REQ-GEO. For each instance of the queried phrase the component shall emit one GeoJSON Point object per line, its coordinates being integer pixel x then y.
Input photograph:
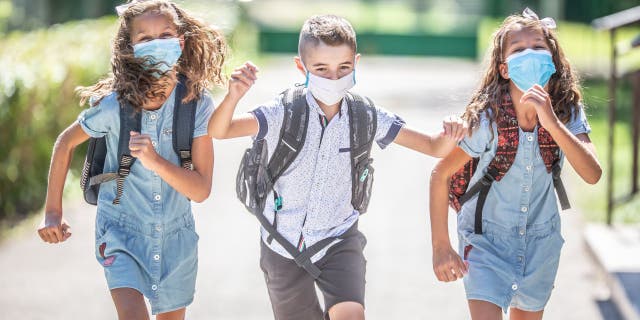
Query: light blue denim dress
{"type": "Point", "coordinates": [515, 261]}
{"type": "Point", "coordinates": [147, 242]}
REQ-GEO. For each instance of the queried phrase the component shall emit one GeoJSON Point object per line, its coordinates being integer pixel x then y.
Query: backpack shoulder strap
{"type": "Point", "coordinates": [184, 118]}
{"type": "Point", "coordinates": [130, 120]}
{"type": "Point", "coordinates": [292, 134]}
{"type": "Point", "coordinates": [550, 152]}
{"type": "Point", "coordinates": [508, 139]}
{"type": "Point", "coordinates": [363, 124]}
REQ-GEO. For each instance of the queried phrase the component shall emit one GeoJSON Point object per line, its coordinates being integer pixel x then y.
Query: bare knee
{"type": "Point", "coordinates": [129, 304]}
{"type": "Point", "coordinates": [172, 315]}
{"type": "Point", "coordinates": [483, 310]}
{"type": "Point", "coordinates": [517, 314]}
{"type": "Point", "coordinates": [347, 311]}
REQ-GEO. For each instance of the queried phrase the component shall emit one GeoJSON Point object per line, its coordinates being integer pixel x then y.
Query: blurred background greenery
{"type": "Point", "coordinates": [48, 47]}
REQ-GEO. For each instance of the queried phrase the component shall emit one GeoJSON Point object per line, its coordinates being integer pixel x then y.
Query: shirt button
{"type": "Point", "coordinates": [158, 228]}
{"type": "Point", "coordinates": [153, 143]}
{"type": "Point", "coordinates": [524, 209]}
{"type": "Point", "coordinates": [522, 232]}
{"type": "Point", "coordinates": [156, 257]}
{"type": "Point", "coordinates": [519, 258]}
{"type": "Point", "coordinates": [157, 197]}
{"type": "Point", "coordinates": [514, 287]}
{"type": "Point", "coordinates": [153, 117]}
{"type": "Point", "coordinates": [526, 189]}
{"type": "Point", "coordinates": [528, 168]}
{"type": "Point", "coordinates": [529, 138]}
{"type": "Point", "coordinates": [154, 287]}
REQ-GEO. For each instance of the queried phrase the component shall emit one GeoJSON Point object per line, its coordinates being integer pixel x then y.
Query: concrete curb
{"type": "Point", "coordinates": [616, 251]}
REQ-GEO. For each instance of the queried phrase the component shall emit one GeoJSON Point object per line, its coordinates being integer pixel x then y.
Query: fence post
{"type": "Point", "coordinates": [612, 121]}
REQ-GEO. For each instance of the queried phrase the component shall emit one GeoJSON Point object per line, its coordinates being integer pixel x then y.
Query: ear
{"type": "Point", "coordinates": [299, 65]}
{"type": "Point", "coordinates": [504, 70]}
{"type": "Point", "coordinates": [357, 59]}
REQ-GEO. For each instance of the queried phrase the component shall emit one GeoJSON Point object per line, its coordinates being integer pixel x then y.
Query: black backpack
{"type": "Point", "coordinates": [93, 170]}
{"type": "Point", "coordinates": [257, 175]}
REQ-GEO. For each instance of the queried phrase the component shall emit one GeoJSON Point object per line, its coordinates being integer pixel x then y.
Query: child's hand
{"type": "Point", "coordinates": [53, 228]}
{"type": "Point", "coordinates": [447, 264]}
{"type": "Point", "coordinates": [538, 98]}
{"type": "Point", "coordinates": [142, 148]}
{"type": "Point", "coordinates": [454, 128]}
{"type": "Point", "coordinates": [242, 79]}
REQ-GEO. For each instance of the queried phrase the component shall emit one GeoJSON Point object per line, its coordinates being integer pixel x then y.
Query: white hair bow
{"type": "Point", "coordinates": [123, 7]}
{"type": "Point", "coordinates": [547, 23]}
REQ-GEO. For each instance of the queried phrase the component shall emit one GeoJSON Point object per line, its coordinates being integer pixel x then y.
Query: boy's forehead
{"type": "Point", "coordinates": [322, 53]}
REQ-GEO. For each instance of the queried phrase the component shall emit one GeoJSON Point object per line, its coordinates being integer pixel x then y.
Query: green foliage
{"type": "Point", "coordinates": [37, 101]}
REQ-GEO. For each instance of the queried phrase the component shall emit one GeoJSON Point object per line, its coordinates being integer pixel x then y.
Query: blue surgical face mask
{"type": "Point", "coordinates": [163, 54]}
{"type": "Point", "coordinates": [530, 67]}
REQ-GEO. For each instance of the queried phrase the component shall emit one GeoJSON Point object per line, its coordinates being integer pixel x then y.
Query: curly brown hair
{"type": "Point", "coordinates": [136, 83]}
{"type": "Point", "coordinates": [564, 85]}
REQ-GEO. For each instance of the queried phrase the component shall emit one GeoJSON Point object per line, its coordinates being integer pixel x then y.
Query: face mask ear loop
{"type": "Point", "coordinates": [306, 82]}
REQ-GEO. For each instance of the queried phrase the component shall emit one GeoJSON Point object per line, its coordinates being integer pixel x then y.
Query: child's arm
{"type": "Point", "coordinates": [447, 264]}
{"type": "Point", "coordinates": [438, 145]}
{"type": "Point", "coordinates": [577, 148]}
{"type": "Point", "coordinates": [53, 228]}
{"type": "Point", "coordinates": [223, 125]}
{"type": "Point", "coordinates": [194, 184]}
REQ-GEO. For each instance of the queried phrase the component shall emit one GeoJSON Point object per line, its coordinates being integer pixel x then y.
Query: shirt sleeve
{"type": "Point", "coordinates": [578, 123]}
{"type": "Point", "coordinates": [204, 111]}
{"type": "Point", "coordinates": [389, 126]}
{"type": "Point", "coordinates": [269, 117]}
{"type": "Point", "coordinates": [479, 141]}
{"type": "Point", "coordinates": [98, 120]}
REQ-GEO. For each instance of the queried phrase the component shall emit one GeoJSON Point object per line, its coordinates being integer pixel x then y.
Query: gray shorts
{"type": "Point", "coordinates": [291, 288]}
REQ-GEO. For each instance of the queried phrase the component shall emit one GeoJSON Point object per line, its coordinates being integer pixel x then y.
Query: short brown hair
{"type": "Point", "coordinates": [328, 29]}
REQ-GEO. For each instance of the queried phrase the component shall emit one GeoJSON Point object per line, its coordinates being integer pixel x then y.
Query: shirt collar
{"type": "Point", "coordinates": [313, 104]}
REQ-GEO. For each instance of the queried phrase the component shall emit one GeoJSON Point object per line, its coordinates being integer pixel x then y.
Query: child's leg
{"type": "Point", "coordinates": [172, 315]}
{"type": "Point", "coordinates": [129, 304]}
{"type": "Point", "coordinates": [347, 311]}
{"type": "Point", "coordinates": [342, 281]}
{"type": "Point", "coordinates": [483, 310]}
{"type": "Point", "coordinates": [291, 289]}
{"type": "Point", "coordinates": [517, 314]}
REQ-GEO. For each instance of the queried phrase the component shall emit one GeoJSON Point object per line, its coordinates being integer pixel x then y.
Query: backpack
{"type": "Point", "coordinates": [257, 175]}
{"type": "Point", "coordinates": [130, 120]}
{"type": "Point", "coordinates": [508, 140]}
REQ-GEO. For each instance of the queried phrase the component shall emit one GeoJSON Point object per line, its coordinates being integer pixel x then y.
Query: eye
{"type": "Point", "coordinates": [144, 39]}
{"type": "Point", "coordinates": [345, 67]}
{"type": "Point", "coordinates": [167, 35]}
{"type": "Point", "coordinates": [321, 69]}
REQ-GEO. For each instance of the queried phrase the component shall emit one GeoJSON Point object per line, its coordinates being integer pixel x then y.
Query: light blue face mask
{"type": "Point", "coordinates": [163, 54]}
{"type": "Point", "coordinates": [530, 67]}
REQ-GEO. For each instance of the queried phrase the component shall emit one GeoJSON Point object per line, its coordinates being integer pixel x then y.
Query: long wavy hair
{"type": "Point", "coordinates": [564, 85]}
{"type": "Point", "coordinates": [136, 82]}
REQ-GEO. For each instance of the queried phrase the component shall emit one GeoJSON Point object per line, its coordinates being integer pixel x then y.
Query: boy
{"type": "Point", "coordinates": [313, 197]}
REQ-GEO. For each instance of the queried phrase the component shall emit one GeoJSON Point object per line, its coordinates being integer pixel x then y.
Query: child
{"type": "Point", "coordinates": [511, 242]}
{"type": "Point", "coordinates": [145, 235]}
{"type": "Point", "coordinates": [312, 207]}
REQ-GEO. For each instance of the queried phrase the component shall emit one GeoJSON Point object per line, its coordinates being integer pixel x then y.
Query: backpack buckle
{"type": "Point", "coordinates": [278, 203]}
{"type": "Point", "coordinates": [185, 155]}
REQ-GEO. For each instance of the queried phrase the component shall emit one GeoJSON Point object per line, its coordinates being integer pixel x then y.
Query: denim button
{"type": "Point", "coordinates": [157, 197]}
{"type": "Point", "coordinates": [514, 287]}
{"type": "Point", "coordinates": [529, 138]}
{"type": "Point", "coordinates": [524, 209]}
{"type": "Point", "coordinates": [153, 117]}
{"type": "Point", "coordinates": [526, 189]}
{"type": "Point", "coordinates": [519, 258]}
{"type": "Point", "coordinates": [156, 257]}
{"type": "Point", "coordinates": [522, 232]}
{"type": "Point", "coordinates": [528, 168]}
{"type": "Point", "coordinates": [153, 143]}
{"type": "Point", "coordinates": [154, 287]}
{"type": "Point", "coordinates": [158, 228]}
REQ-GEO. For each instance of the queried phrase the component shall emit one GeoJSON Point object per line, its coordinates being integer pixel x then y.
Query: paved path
{"type": "Point", "coordinates": [41, 281]}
